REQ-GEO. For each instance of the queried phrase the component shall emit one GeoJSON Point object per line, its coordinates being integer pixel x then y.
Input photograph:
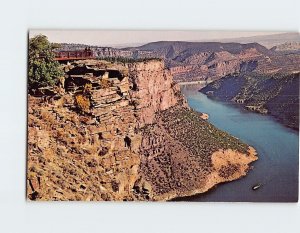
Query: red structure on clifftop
{"type": "Point", "coordinates": [87, 53]}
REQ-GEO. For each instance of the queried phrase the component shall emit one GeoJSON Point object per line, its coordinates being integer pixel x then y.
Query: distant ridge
{"type": "Point", "coordinates": [268, 41]}
{"type": "Point", "coordinates": [196, 47]}
{"type": "Point", "coordinates": [208, 61]}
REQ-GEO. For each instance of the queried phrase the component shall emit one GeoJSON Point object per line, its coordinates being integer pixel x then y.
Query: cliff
{"type": "Point", "coordinates": [115, 131]}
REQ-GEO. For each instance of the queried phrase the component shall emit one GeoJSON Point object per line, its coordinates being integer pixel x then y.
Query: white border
{"type": "Point", "coordinates": [17, 17]}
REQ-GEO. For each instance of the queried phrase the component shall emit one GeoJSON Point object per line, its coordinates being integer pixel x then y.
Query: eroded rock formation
{"type": "Point", "coordinates": [124, 132]}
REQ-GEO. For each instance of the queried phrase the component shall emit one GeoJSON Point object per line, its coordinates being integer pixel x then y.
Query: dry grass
{"type": "Point", "coordinates": [83, 103]}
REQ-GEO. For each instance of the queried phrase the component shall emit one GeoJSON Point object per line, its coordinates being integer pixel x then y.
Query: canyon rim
{"type": "Point", "coordinates": [111, 123]}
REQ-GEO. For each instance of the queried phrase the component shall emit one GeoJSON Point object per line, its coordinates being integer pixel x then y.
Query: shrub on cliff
{"type": "Point", "coordinates": [83, 103]}
{"type": "Point", "coordinates": [43, 70]}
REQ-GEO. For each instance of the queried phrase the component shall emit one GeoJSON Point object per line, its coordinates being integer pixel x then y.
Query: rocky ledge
{"type": "Point", "coordinates": [114, 131]}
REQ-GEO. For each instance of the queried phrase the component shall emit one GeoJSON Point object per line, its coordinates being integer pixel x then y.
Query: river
{"type": "Point", "coordinates": [277, 147]}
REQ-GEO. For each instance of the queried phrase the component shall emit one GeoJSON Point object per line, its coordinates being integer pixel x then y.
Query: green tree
{"type": "Point", "coordinates": [43, 70]}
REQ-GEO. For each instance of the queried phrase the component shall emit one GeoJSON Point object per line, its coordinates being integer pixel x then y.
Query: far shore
{"type": "Point", "coordinates": [192, 83]}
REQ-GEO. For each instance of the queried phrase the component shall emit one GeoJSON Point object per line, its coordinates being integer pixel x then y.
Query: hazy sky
{"type": "Point", "coordinates": [115, 38]}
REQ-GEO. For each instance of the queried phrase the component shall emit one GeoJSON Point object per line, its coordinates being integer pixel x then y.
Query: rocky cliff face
{"type": "Point", "coordinates": [154, 90]}
{"type": "Point", "coordinates": [123, 132]}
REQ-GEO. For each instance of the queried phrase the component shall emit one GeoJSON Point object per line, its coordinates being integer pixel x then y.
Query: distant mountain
{"type": "Point", "coordinates": [268, 41]}
{"type": "Point", "coordinates": [206, 61]}
{"type": "Point", "coordinates": [170, 49]}
{"type": "Point", "coordinates": [195, 61]}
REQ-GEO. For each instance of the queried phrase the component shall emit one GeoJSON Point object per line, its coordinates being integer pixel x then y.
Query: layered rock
{"type": "Point", "coordinates": [117, 131]}
{"type": "Point", "coordinates": [153, 89]}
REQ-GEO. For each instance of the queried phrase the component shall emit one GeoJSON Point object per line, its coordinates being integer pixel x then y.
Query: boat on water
{"type": "Point", "coordinates": [257, 186]}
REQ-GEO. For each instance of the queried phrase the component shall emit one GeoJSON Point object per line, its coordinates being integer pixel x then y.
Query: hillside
{"type": "Point", "coordinates": [123, 131]}
{"type": "Point", "coordinates": [287, 47]}
{"type": "Point", "coordinates": [276, 95]}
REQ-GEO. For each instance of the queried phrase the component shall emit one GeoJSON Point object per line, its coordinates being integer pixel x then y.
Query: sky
{"type": "Point", "coordinates": [131, 38]}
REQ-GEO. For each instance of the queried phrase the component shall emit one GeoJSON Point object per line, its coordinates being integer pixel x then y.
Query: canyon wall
{"type": "Point", "coordinates": [116, 131]}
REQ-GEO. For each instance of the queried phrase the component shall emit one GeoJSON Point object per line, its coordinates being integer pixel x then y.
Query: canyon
{"type": "Point", "coordinates": [209, 61]}
{"type": "Point", "coordinates": [123, 132]}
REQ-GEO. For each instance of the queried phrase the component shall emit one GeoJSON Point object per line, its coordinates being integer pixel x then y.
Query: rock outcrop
{"type": "Point", "coordinates": [115, 131]}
